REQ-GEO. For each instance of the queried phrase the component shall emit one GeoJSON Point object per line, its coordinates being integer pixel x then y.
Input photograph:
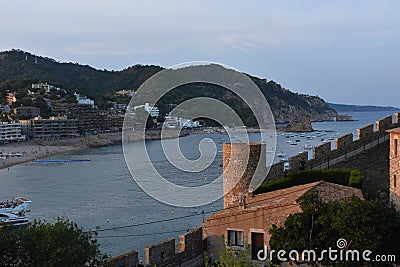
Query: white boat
{"type": "Point", "coordinates": [308, 146]}
{"type": "Point", "coordinates": [15, 205]}
{"type": "Point", "coordinates": [281, 154]}
{"type": "Point", "coordinates": [11, 219]}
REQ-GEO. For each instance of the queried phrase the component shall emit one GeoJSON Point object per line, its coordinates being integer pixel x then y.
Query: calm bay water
{"type": "Point", "coordinates": [102, 192]}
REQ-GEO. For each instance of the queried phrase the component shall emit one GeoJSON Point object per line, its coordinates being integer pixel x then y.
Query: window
{"type": "Point", "coordinates": [395, 147]}
{"type": "Point", "coordinates": [235, 238]}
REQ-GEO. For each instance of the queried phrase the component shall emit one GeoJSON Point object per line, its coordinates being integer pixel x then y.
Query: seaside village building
{"type": "Point", "coordinates": [394, 159]}
{"type": "Point", "coordinates": [246, 218]}
{"type": "Point", "coordinates": [10, 132]}
{"type": "Point", "coordinates": [52, 128]}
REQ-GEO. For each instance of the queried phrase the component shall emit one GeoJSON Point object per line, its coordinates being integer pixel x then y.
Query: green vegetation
{"type": "Point", "coordinates": [231, 258]}
{"type": "Point", "coordinates": [365, 225]}
{"type": "Point", "coordinates": [43, 244]}
{"type": "Point", "coordinates": [351, 178]}
{"type": "Point", "coordinates": [19, 69]}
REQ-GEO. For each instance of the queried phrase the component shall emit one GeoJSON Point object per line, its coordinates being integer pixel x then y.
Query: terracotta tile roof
{"type": "Point", "coordinates": [290, 196]}
{"type": "Point", "coordinates": [395, 130]}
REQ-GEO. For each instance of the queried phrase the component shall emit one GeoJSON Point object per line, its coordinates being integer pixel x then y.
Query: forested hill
{"type": "Point", "coordinates": [360, 108]}
{"type": "Point", "coordinates": [19, 69]}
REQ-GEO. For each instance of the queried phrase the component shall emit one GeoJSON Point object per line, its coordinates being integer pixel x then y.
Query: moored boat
{"type": "Point", "coordinates": [11, 219]}
{"type": "Point", "coordinates": [308, 146]}
{"type": "Point", "coordinates": [15, 205]}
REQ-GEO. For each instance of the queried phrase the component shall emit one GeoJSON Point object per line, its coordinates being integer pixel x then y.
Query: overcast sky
{"type": "Point", "coordinates": [343, 51]}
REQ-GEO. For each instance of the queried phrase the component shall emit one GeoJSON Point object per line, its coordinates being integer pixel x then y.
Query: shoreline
{"type": "Point", "coordinates": [40, 149]}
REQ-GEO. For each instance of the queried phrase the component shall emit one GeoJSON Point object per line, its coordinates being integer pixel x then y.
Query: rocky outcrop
{"type": "Point", "coordinates": [303, 125]}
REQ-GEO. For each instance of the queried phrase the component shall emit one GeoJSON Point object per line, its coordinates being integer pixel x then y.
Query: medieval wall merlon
{"type": "Point", "coordinates": [188, 252]}
{"type": "Point", "coordinates": [344, 141]}
{"type": "Point", "coordinates": [384, 124]}
{"type": "Point", "coordinates": [276, 171]}
{"type": "Point", "coordinates": [294, 162]}
{"type": "Point", "coordinates": [130, 259]}
{"type": "Point", "coordinates": [190, 241]}
{"type": "Point", "coordinates": [322, 151]}
{"type": "Point", "coordinates": [365, 132]}
{"type": "Point", "coordinates": [160, 252]}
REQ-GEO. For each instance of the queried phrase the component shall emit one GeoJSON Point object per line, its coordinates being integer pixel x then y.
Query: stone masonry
{"type": "Point", "coordinates": [240, 161]}
{"type": "Point", "coordinates": [394, 159]}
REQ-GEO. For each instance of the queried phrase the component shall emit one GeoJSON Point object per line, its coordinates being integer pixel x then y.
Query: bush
{"type": "Point", "coordinates": [351, 178]}
{"type": "Point", "coordinates": [61, 243]}
{"type": "Point", "coordinates": [355, 179]}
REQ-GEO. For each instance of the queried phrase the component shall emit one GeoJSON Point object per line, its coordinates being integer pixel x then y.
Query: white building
{"type": "Point", "coordinates": [84, 100]}
{"type": "Point", "coordinates": [173, 122]}
{"type": "Point", "coordinates": [152, 110]}
{"type": "Point", "coordinates": [10, 131]}
{"type": "Point", "coordinates": [47, 87]}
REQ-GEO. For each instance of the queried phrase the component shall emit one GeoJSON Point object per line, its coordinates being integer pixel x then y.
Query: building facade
{"type": "Point", "coordinates": [247, 218]}
{"type": "Point", "coordinates": [25, 112]}
{"type": "Point", "coordinates": [10, 132]}
{"type": "Point", "coordinates": [53, 128]}
{"type": "Point", "coordinates": [394, 159]}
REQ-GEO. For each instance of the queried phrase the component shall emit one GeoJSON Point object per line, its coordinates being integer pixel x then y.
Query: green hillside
{"type": "Point", "coordinates": [19, 69]}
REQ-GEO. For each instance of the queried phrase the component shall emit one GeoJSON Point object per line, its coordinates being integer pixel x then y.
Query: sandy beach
{"type": "Point", "coordinates": [38, 149]}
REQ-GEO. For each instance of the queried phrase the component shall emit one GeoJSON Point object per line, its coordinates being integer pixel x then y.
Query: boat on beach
{"type": "Point", "coordinates": [15, 205]}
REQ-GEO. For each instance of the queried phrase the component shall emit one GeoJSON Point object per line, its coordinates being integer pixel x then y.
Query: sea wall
{"type": "Point", "coordinates": [324, 156]}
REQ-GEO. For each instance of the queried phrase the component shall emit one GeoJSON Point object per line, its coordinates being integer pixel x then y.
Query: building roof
{"type": "Point", "coordinates": [395, 130]}
{"type": "Point", "coordinates": [290, 196]}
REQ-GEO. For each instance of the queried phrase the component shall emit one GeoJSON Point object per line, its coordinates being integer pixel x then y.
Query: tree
{"type": "Point", "coordinates": [365, 225]}
{"type": "Point", "coordinates": [231, 258]}
{"type": "Point", "coordinates": [62, 243]}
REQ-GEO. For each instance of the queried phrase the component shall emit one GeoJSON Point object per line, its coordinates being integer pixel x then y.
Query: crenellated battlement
{"type": "Point", "coordinates": [345, 146]}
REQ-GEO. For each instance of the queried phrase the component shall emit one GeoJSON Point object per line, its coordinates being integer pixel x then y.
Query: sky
{"type": "Point", "coordinates": [343, 51]}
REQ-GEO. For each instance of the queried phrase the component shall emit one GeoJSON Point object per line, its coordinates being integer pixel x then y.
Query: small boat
{"type": "Point", "coordinates": [15, 205]}
{"type": "Point", "coordinates": [281, 154]}
{"type": "Point", "coordinates": [221, 141]}
{"type": "Point", "coordinates": [286, 165]}
{"type": "Point", "coordinates": [293, 144]}
{"type": "Point", "coordinates": [308, 146]}
{"type": "Point", "coordinates": [11, 219]}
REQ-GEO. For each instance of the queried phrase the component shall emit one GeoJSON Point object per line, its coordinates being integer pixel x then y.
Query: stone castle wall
{"type": "Point", "coordinates": [188, 252]}
{"type": "Point", "coordinates": [394, 160]}
{"type": "Point", "coordinates": [238, 172]}
{"type": "Point", "coordinates": [344, 147]}
{"type": "Point", "coordinates": [130, 259]}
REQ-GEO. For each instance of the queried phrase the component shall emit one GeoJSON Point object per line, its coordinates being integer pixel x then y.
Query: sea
{"type": "Point", "coordinates": [102, 195]}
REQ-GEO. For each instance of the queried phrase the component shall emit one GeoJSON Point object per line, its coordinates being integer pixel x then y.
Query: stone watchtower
{"type": "Point", "coordinates": [395, 166]}
{"type": "Point", "coordinates": [240, 161]}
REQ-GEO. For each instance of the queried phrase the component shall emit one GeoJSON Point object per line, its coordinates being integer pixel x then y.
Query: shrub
{"type": "Point", "coordinates": [351, 178]}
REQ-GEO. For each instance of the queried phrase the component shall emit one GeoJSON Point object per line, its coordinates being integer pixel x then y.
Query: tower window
{"type": "Point", "coordinates": [394, 180]}
{"type": "Point", "coordinates": [395, 147]}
